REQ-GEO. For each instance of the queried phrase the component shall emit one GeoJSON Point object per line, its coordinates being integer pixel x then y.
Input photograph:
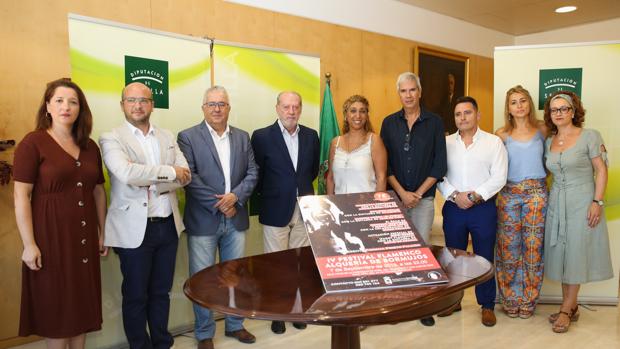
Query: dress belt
{"type": "Point", "coordinates": [560, 218]}
{"type": "Point", "coordinates": [158, 219]}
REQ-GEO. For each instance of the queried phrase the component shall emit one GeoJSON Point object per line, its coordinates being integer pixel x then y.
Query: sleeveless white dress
{"type": "Point", "coordinates": [354, 171]}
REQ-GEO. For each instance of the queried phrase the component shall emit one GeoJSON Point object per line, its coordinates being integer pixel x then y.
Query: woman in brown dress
{"type": "Point", "coordinates": [60, 207]}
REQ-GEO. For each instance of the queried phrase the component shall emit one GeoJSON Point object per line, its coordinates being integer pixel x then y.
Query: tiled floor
{"type": "Point", "coordinates": [598, 327]}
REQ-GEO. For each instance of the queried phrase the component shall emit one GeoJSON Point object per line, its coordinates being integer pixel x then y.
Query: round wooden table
{"type": "Point", "coordinates": [286, 286]}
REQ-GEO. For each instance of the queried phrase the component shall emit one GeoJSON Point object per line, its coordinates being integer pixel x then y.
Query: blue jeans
{"type": "Point", "coordinates": [202, 249]}
{"type": "Point", "coordinates": [148, 272]}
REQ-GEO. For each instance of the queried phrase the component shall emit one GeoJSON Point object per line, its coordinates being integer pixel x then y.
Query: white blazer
{"type": "Point", "coordinates": [130, 178]}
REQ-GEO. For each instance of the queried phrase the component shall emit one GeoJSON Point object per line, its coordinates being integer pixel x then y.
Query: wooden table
{"type": "Point", "coordinates": [286, 286]}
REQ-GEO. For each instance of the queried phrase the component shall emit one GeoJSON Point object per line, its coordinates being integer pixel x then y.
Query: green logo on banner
{"type": "Point", "coordinates": [551, 80]}
{"type": "Point", "coordinates": [151, 72]}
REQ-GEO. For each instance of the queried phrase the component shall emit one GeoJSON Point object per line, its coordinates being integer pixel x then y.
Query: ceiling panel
{"type": "Point", "coordinates": [519, 17]}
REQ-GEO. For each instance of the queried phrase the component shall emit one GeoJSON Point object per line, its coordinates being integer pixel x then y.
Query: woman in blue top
{"type": "Point", "coordinates": [521, 206]}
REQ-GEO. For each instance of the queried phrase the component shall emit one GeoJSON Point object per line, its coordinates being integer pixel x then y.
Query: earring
{"type": "Point", "coordinates": [48, 115]}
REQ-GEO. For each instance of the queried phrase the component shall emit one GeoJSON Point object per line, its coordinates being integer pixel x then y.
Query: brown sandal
{"type": "Point", "coordinates": [512, 312]}
{"type": "Point", "coordinates": [574, 315]}
{"type": "Point", "coordinates": [558, 328]}
{"type": "Point", "coordinates": [526, 313]}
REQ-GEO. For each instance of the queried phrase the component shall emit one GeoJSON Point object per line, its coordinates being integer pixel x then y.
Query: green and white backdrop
{"type": "Point", "coordinates": [105, 56]}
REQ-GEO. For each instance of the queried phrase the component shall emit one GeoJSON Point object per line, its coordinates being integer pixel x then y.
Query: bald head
{"type": "Point", "coordinates": [137, 86]}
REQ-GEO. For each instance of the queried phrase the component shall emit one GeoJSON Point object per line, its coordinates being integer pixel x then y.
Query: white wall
{"type": "Point", "coordinates": [393, 18]}
{"type": "Point", "coordinates": [608, 30]}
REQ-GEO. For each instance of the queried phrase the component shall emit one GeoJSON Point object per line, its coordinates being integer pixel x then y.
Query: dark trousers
{"type": "Point", "coordinates": [481, 222]}
{"type": "Point", "coordinates": [148, 273]}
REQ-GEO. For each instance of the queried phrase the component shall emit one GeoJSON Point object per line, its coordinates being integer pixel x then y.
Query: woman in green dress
{"type": "Point", "coordinates": [576, 238]}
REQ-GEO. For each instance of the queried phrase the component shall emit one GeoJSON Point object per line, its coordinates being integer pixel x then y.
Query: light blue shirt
{"type": "Point", "coordinates": [525, 159]}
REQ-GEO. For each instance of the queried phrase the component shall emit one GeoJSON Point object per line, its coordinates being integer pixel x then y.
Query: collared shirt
{"type": "Point", "coordinates": [425, 154]}
{"type": "Point", "coordinates": [292, 142]}
{"type": "Point", "coordinates": [222, 145]}
{"type": "Point", "coordinates": [481, 167]}
{"type": "Point", "coordinates": [158, 205]}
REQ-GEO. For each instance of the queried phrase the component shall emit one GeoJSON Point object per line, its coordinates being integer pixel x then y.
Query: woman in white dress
{"type": "Point", "coordinates": [357, 159]}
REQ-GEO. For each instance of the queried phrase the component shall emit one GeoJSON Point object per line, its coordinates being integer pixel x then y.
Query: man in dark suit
{"type": "Point", "coordinates": [287, 155]}
{"type": "Point", "coordinates": [447, 106]}
{"type": "Point", "coordinates": [224, 175]}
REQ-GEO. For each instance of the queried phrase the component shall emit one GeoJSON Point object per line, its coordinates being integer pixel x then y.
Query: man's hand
{"type": "Point", "coordinates": [183, 174]}
{"type": "Point", "coordinates": [230, 212]}
{"type": "Point", "coordinates": [226, 204]}
{"type": "Point", "coordinates": [410, 199]}
{"type": "Point", "coordinates": [462, 201]}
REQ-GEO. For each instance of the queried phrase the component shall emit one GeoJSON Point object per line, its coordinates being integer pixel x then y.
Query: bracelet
{"type": "Point", "coordinates": [452, 196]}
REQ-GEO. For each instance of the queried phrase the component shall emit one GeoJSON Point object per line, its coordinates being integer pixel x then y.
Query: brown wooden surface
{"type": "Point", "coordinates": [267, 287]}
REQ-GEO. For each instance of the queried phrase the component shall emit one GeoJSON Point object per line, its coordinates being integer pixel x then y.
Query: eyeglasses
{"type": "Point", "coordinates": [407, 146]}
{"type": "Point", "coordinates": [563, 110]}
{"type": "Point", "coordinates": [141, 100]}
{"type": "Point", "coordinates": [216, 104]}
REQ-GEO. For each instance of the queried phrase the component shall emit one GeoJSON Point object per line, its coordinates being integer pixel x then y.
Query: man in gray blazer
{"type": "Point", "coordinates": [143, 222]}
{"type": "Point", "coordinates": [224, 174]}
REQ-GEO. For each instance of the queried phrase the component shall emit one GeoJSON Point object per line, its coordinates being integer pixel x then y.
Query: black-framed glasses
{"type": "Point", "coordinates": [563, 110]}
{"type": "Point", "coordinates": [406, 147]}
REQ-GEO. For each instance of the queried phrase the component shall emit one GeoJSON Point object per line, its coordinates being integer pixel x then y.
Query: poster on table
{"type": "Point", "coordinates": [365, 241]}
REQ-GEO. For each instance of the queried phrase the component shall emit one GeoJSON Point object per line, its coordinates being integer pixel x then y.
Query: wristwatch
{"type": "Point", "coordinates": [599, 202]}
{"type": "Point", "coordinates": [472, 197]}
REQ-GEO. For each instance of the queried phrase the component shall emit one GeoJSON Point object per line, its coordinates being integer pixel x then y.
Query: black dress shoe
{"type": "Point", "coordinates": [278, 327]}
{"type": "Point", "coordinates": [299, 325]}
{"type": "Point", "coordinates": [428, 321]}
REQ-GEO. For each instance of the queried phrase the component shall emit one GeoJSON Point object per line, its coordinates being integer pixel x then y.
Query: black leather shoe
{"type": "Point", "coordinates": [299, 325]}
{"type": "Point", "coordinates": [428, 321]}
{"type": "Point", "coordinates": [278, 327]}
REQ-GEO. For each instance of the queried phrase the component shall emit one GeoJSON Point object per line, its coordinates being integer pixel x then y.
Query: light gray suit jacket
{"type": "Point", "coordinates": [200, 216]}
{"type": "Point", "coordinates": [130, 178]}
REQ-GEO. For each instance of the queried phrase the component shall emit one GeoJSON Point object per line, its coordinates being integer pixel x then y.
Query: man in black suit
{"type": "Point", "coordinates": [447, 106]}
{"type": "Point", "coordinates": [287, 155]}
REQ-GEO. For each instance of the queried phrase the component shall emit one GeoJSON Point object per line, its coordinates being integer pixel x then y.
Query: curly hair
{"type": "Point", "coordinates": [345, 108]}
{"type": "Point", "coordinates": [509, 122]}
{"type": "Point", "coordinates": [579, 115]}
{"type": "Point", "coordinates": [82, 126]}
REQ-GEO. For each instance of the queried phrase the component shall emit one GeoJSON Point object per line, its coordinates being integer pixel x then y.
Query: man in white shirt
{"type": "Point", "coordinates": [477, 170]}
{"type": "Point", "coordinates": [143, 222]}
{"type": "Point", "coordinates": [224, 175]}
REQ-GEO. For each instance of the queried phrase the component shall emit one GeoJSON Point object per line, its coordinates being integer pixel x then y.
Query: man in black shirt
{"type": "Point", "coordinates": [416, 147]}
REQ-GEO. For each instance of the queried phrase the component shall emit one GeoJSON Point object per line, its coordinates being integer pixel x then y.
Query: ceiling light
{"type": "Point", "coordinates": [565, 9]}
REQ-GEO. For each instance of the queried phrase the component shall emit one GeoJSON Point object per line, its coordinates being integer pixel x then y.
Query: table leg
{"type": "Point", "coordinates": [345, 337]}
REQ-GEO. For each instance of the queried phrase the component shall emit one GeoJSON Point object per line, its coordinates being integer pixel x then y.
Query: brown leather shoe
{"type": "Point", "coordinates": [488, 317]}
{"type": "Point", "coordinates": [450, 311]}
{"type": "Point", "coordinates": [205, 344]}
{"type": "Point", "coordinates": [242, 335]}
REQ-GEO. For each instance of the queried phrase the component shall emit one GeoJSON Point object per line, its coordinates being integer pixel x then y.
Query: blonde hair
{"type": "Point", "coordinates": [509, 122]}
